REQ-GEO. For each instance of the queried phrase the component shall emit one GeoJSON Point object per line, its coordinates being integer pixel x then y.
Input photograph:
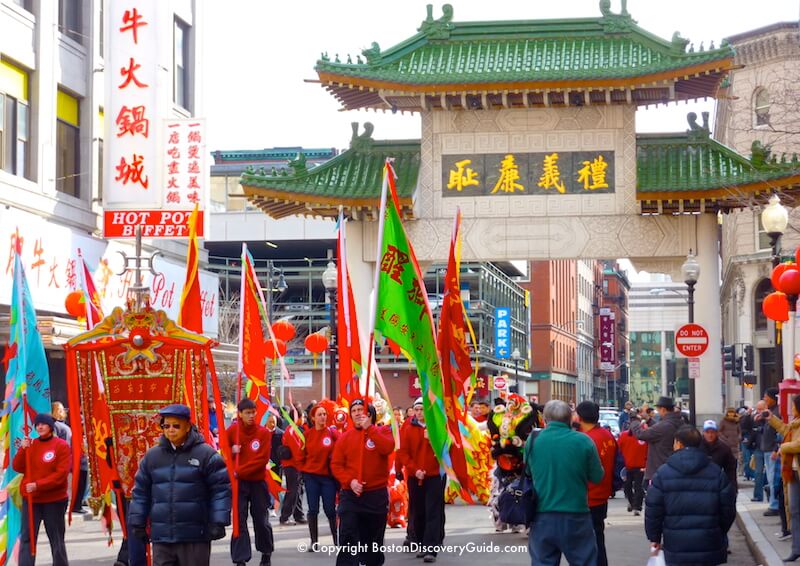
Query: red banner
{"type": "Point", "coordinates": [154, 223]}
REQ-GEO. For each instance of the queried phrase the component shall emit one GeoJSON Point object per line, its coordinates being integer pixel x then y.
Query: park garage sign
{"type": "Point", "coordinates": [556, 172]}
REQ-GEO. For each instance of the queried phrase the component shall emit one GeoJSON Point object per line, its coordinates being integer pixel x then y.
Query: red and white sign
{"type": "Point", "coordinates": [608, 336]}
{"type": "Point", "coordinates": [691, 340]}
{"type": "Point", "coordinates": [501, 383]}
{"type": "Point", "coordinates": [154, 223]}
{"type": "Point", "coordinates": [184, 170]}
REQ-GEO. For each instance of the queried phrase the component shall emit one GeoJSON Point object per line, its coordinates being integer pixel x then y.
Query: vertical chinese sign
{"type": "Point", "coordinates": [138, 130]}
{"type": "Point", "coordinates": [607, 339]}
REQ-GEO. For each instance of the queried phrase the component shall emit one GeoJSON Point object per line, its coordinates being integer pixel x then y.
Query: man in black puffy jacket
{"type": "Point", "coordinates": [182, 488]}
{"type": "Point", "coordinates": [690, 505]}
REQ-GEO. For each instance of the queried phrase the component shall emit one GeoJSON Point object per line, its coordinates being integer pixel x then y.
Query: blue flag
{"type": "Point", "coordinates": [27, 373]}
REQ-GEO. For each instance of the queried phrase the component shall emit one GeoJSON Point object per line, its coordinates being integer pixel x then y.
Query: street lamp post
{"type": "Point", "coordinates": [329, 281]}
{"type": "Point", "coordinates": [774, 219]}
{"type": "Point", "coordinates": [691, 272]}
{"type": "Point", "coordinates": [669, 370]}
{"type": "Point", "coordinates": [515, 355]}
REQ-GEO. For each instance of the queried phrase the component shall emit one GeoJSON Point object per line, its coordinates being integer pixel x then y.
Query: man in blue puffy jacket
{"type": "Point", "coordinates": [182, 488]}
{"type": "Point", "coordinates": [690, 505]}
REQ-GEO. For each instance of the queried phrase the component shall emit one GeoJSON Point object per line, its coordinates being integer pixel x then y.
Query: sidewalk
{"type": "Point", "coordinates": [759, 530]}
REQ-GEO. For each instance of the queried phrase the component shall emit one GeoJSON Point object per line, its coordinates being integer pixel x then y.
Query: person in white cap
{"type": "Point", "coordinates": [719, 452]}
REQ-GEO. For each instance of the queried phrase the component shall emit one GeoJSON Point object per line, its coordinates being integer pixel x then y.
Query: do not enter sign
{"type": "Point", "coordinates": [500, 383]}
{"type": "Point", "coordinates": [691, 340]}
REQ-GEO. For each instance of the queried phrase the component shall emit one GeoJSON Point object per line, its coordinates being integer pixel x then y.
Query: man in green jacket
{"type": "Point", "coordinates": [562, 462]}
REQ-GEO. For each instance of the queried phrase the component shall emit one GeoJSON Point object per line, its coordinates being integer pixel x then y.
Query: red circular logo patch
{"type": "Point", "coordinates": [255, 445]}
{"type": "Point", "coordinates": [370, 445]}
{"type": "Point", "coordinates": [326, 441]}
{"type": "Point", "coordinates": [48, 456]}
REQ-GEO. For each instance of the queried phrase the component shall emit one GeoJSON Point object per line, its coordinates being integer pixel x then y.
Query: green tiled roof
{"type": "Point", "coordinates": [693, 161]}
{"type": "Point", "coordinates": [353, 178]}
{"type": "Point", "coordinates": [586, 49]}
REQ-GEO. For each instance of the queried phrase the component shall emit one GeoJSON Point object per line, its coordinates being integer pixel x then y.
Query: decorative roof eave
{"type": "Point", "coordinates": [282, 203]}
{"type": "Point", "coordinates": [790, 183]}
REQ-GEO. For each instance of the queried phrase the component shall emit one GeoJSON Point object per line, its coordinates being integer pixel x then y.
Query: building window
{"type": "Point", "coordinates": [763, 289]}
{"type": "Point", "coordinates": [14, 120]}
{"type": "Point", "coordinates": [68, 135]}
{"type": "Point", "coordinates": [70, 19]}
{"type": "Point", "coordinates": [25, 4]}
{"type": "Point", "coordinates": [761, 107]}
{"type": "Point", "coordinates": [180, 68]}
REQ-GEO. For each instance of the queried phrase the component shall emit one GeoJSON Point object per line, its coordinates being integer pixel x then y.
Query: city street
{"type": "Point", "coordinates": [467, 526]}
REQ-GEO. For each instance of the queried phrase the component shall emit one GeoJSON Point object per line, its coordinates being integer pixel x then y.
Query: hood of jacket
{"type": "Point", "coordinates": [193, 438]}
{"type": "Point", "coordinates": [688, 461]}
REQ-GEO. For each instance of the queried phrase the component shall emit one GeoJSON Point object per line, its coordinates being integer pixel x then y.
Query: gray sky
{"type": "Point", "coordinates": [258, 53]}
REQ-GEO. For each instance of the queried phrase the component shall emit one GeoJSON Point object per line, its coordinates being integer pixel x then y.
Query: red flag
{"type": "Point", "coordinates": [349, 349]}
{"type": "Point", "coordinates": [190, 315]}
{"type": "Point", "coordinates": [251, 339]}
{"type": "Point", "coordinates": [456, 362]}
{"type": "Point", "coordinates": [94, 311]}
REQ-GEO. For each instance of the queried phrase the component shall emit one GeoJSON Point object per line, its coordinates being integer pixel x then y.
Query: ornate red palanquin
{"type": "Point", "coordinates": [120, 374]}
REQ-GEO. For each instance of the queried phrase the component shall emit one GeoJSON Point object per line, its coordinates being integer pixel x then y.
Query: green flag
{"type": "Point", "coordinates": [402, 314]}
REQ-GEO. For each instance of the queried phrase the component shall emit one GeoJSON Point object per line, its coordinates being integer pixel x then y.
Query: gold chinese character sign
{"type": "Point", "coordinates": [541, 173]}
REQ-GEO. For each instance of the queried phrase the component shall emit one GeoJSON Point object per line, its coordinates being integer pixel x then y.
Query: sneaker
{"type": "Point", "coordinates": [300, 520]}
{"type": "Point", "coordinates": [288, 522]}
{"type": "Point", "coordinates": [517, 528]}
{"type": "Point", "coordinates": [783, 536]}
{"type": "Point", "coordinates": [771, 513]}
{"type": "Point", "coordinates": [272, 513]}
{"type": "Point", "coordinates": [630, 508]}
{"type": "Point", "coordinates": [636, 513]}
{"type": "Point", "coordinates": [429, 558]}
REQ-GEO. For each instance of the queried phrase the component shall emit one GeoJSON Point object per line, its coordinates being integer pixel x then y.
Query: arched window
{"type": "Point", "coordinates": [761, 107]}
{"type": "Point", "coordinates": [763, 289]}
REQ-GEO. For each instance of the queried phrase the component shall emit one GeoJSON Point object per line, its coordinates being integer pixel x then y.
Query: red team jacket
{"type": "Point", "coordinates": [50, 466]}
{"type": "Point", "coordinates": [256, 443]}
{"type": "Point", "coordinates": [634, 451]}
{"type": "Point", "coordinates": [316, 457]}
{"type": "Point", "coordinates": [370, 449]}
{"type": "Point", "coordinates": [415, 451]}
{"type": "Point", "coordinates": [599, 493]}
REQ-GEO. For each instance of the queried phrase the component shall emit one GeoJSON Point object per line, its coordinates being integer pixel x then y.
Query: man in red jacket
{"type": "Point", "coordinates": [425, 485]}
{"type": "Point", "coordinates": [360, 464]}
{"type": "Point", "coordinates": [634, 452]}
{"type": "Point", "coordinates": [46, 482]}
{"type": "Point", "coordinates": [251, 445]}
{"type": "Point", "coordinates": [599, 493]}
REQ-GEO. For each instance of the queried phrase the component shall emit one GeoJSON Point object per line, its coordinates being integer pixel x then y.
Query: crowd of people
{"type": "Point", "coordinates": [347, 464]}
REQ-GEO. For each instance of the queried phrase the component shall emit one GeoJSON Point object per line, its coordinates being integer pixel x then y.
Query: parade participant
{"type": "Point", "coordinates": [659, 436]}
{"type": "Point", "coordinates": [317, 476]}
{"type": "Point", "coordinates": [63, 431]}
{"type": "Point", "coordinates": [426, 484]}
{"type": "Point", "coordinates": [251, 445]}
{"type": "Point", "coordinates": [398, 415]}
{"type": "Point", "coordinates": [690, 505]}
{"type": "Point", "coordinates": [45, 481]}
{"type": "Point", "coordinates": [562, 463]}
{"type": "Point", "coordinates": [634, 452]}
{"type": "Point", "coordinates": [360, 464]}
{"type": "Point", "coordinates": [290, 455]}
{"type": "Point", "coordinates": [599, 492]}
{"type": "Point", "coordinates": [182, 490]}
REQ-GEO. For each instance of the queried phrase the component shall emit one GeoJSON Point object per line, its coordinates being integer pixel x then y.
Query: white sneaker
{"type": "Point", "coordinates": [517, 529]}
{"type": "Point", "coordinates": [783, 536]}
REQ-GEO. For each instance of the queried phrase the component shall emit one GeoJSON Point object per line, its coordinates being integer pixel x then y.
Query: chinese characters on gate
{"type": "Point", "coordinates": [555, 172]}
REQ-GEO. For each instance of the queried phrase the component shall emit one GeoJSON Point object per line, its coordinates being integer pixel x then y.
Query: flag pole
{"type": "Point", "coordinates": [387, 170]}
{"type": "Point", "coordinates": [235, 478]}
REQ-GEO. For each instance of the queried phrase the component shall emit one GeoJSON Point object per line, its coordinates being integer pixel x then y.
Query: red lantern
{"type": "Point", "coordinates": [272, 353]}
{"type": "Point", "coordinates": [779, 270]}
{"type": "Point", "coordinates": [316, 343]}
{"type": "Point", "coordinates": [790, 282]}
{"type": "Point", "coordinates": [75, 304]}
{"type": "Point", "coordinates": [776, 307]}
{"type": "Point", "coordinates": [283, 330]}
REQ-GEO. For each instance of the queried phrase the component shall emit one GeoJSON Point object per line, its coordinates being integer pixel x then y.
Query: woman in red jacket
{"type": "Point", "coordinates": [317, 476]}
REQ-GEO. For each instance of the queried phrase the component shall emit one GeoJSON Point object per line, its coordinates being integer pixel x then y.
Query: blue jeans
{"type": "Point", "coordinates": [769, 464]}
{"type": "Point", "coordinates": [321, 486]}
{"type": "Point", "coordinates": [569, 533]}
{"type": "Point", "coordinates": [747, 453]}
{"type": "Point", "coordinates": [758, 488]}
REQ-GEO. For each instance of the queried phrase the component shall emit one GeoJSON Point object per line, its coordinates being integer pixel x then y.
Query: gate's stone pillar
{"type": "Point", "coordinates": [707, 313]}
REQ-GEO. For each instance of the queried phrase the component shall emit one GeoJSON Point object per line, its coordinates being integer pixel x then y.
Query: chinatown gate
{"type": "Point", "coordinates": [529, 128]}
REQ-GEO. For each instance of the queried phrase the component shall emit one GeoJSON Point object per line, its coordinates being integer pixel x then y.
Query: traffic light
{"type": "Point", "coordinates": [738, 367]}
{"type": "Point", "coordinates": [749, 361]}
{"type": "Point", "coordinates": [727, 357]}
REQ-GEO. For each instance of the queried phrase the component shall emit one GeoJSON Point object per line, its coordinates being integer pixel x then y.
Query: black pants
{"type": "Point", "coordinates": [132, 551]}
{"type": "Point", "coordinates": [599, 513]}
{"type": "Point", "coordinates": [254, 494]}
{"type": "Point", "coordinates": [53, 516]}
{"type": "Point", "coordinates": [181, 553]}
{"type": "Point", "coordinates": [634, 492]}
{"type": "Point", "coordinates": [293, 498]}
{"type": "Point", "coordinates": [78, 495]}
{"type": "Point", "coordinates": [428, 509]}
{"type": "Point", "coordinates": [362, 526]}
